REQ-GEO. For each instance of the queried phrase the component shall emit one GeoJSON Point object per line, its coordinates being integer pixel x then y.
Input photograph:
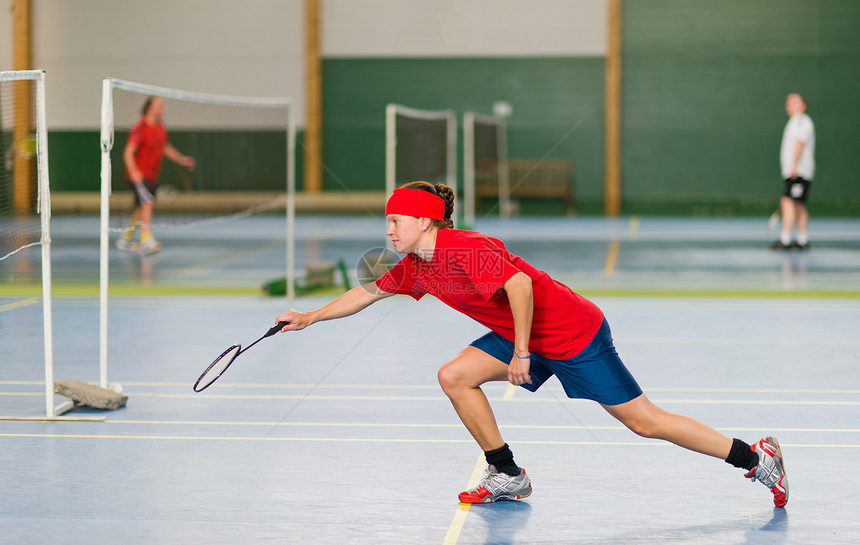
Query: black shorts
{"type": "Point", "coordinates": [150, 186]}
{"type": "Point", "coordinates": [797, 189]}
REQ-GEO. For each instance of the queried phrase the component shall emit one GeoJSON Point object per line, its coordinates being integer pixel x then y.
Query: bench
{"type": "Point", "coordinates": [527, 178]}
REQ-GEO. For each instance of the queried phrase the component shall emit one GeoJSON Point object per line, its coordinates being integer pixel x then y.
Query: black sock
{"type": "Point", "coordinates": [503, 460]}
{"type": "Point", "coordinates": [742, 455]}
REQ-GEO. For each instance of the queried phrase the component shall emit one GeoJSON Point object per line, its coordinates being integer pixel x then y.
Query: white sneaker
{"type": "Point", "coordinates": [126, 245]}
{"type": "Point", "coordinates": [496, 486]}
{"type": "Point", "coordinates": [150, 246]}
{"type": "Point", "coordinates": [770, 470]}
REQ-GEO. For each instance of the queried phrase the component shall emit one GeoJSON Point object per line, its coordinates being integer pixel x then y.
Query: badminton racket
{"type": "Point", "coordinates": [227, 357]}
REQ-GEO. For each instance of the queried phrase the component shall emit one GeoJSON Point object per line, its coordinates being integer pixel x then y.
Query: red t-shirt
{"type": "Point", "coordinates": [150, 141]}
{"type": "Point", "coordinates": [467, 273]}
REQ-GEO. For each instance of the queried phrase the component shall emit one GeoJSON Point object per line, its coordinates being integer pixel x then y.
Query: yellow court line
{"type": "Point", "coordinates": [615, 247]}
{"type": "Point", "coordinates": [19, 304]}
{"type": "Point", "coordinates": [612, 258]}
{"type": "Point", "coordinates": [414, 425]}
{"type": "Point", "coordinates": [453, 534]}
{"type": "Point", "coordinates": [634, 227]}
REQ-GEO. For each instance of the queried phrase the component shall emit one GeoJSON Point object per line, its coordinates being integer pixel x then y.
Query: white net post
{"type": "Point", "coordinates": [210, 114]}
{"type": "Point", "coordinates": [30, 141]}
{"type": "Point", "coordinates": [451, 133]}
{"type": "Point", "coordinates": [504, 183]}
{"type": "Point", "coordinates": [106, 132]}
{"type": "Point", "coordinates": [496, 150]}
{"type": "Point", "coordinates": [469, 169]}
{"type": "Point", "coordinates": [444, 169]}
{"type": "Point", "coordinates": [390, 157]}
{"type": "Point", "coordinates": [390, 149]}
{"type": "Point", "coordinates": [45, 214]}
{"type": "Point", "coordinates": [291, 205]}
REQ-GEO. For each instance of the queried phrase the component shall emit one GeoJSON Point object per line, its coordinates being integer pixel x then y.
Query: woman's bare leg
{"type": "Point", "coordinates": [648, 420]}
{"type": "Point", "coordinates": [461, 380]}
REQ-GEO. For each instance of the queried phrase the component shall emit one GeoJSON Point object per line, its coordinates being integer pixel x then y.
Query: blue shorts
{"type": "Point", "coordinates": [596, 373]}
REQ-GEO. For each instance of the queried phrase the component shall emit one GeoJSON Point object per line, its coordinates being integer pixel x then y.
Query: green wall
{"type": "Point", "coordinates": [74, 159]}
{"type": "Point", "coordinates": [703, 102]}
{"type": "Point", "coordinates": [704, 83]}
{"type": "Point", "coordinates": [557, 110]}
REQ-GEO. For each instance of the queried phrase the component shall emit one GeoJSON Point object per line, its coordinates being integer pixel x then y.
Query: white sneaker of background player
{"type": "Point", "coordinates": [128, 245]}
{"type": "Point", "coordinates": [150, 246]}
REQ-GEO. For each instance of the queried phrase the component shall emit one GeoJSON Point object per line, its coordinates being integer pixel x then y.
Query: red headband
{"type": "Point", "coordinates": [416, 202]}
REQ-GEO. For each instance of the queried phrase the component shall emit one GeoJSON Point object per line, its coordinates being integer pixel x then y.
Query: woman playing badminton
{"type": "Point", "coordinates": [538, 328]}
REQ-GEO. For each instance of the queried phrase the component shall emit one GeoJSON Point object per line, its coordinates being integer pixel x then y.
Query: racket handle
{"type": "Point", "coordinates": [277, 327]}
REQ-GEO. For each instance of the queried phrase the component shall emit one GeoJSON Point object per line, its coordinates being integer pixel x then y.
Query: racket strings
{"type": "Point", "coordinates": [217, 367]}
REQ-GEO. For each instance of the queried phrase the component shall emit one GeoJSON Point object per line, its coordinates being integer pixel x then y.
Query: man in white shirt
{"type": "Point", "coordinates": [797, 160]}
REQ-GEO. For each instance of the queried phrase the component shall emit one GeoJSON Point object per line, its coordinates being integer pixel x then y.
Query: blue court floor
{"type": "Point", "coordinates": [340, 434]}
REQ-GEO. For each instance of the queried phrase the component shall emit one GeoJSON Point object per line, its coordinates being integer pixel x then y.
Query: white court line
{"type": "Point", "coordinates": [737, 341]}
{"type": "Point", "coordinates": [435, 387]}
{"type": "Point", "coordinates": [503, 398]}
{"type": "Point", "coordinates": [756, 390]}
{"type": "Point", "coordinates": [643, 443]}
{"type": "Point", "coordinates": [445, 399]}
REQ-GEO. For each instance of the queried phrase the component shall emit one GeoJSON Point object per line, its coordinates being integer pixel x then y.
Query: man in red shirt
{"type": "Point", "coordinates": [538, 328]}
{"type": "Point", "coordinates": [147, 145]}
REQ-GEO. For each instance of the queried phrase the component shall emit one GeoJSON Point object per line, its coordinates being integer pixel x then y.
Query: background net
{"type": "Point", "coordinates": [422, 149]}
{"type": "Point", "coordinates": [240, 147]}
{"type": "Point", "coordinates": [206, 217]}
{"type": "Point", "coordinates": [487, 157]}
{"type": "Point", "coordinates": [420, 145]}
{"type": "Point", "coordinates": [19, 188]}
{"type": "Point", "coordinates": [485, 166]}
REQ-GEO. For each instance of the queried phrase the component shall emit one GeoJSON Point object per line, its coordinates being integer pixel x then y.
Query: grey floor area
{"type": "Point", "coordinates": [340, 434]}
